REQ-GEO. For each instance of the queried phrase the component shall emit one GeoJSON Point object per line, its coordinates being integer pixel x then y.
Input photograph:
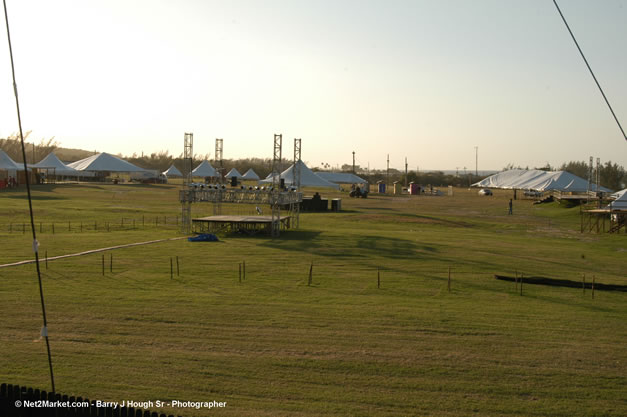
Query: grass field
{"type": "Point", "coordinates": [274, 346]}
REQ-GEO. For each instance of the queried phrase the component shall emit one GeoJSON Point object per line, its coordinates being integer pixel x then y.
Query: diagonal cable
{"type": "Point", "coordinates": [590, 69]}
{"type": "Point", "coordinates": [44, 330]}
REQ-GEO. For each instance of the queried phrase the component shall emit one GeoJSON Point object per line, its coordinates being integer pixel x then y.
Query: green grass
{"type": "Point", "coordinates": [273, 345]}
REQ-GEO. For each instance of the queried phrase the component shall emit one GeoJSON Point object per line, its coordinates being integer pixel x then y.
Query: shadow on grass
{"type": "Point", "coordinates": [565, 283]}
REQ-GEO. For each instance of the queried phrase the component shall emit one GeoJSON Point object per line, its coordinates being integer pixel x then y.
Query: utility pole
{"type": "Point", "coordinates": [353, 162]}
{"type": "Point", "coordinates": [387, 179]}
{"type": "Point", "coordinates": [405, 171]}
{"type": "Point", "coordinates": [476, 161]}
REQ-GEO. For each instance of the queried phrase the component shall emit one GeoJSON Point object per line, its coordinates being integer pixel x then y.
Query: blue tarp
{"type": "Point", "coordinates": [204, 237]}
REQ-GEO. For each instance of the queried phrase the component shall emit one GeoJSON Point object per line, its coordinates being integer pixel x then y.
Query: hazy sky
{"type": "Point", "coordinates": [424, 79]}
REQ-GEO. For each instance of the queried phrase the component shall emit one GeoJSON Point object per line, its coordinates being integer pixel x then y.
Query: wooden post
{"type": "Point", "coordinates": [111, 263]}
{"type": "Point", "coordinates": [583, 283]}
{"type": "Point", "coordinates": [310, 274]}
{"type": "Point", "coordinates": [177, 266]}
{"type": "Point", "coordinates": [103, 265]}
{"type": "Point", "coordinates": [69, 226]}
{"type": "Point", "coordinates": [522, 277]}
{"type": "Point", "coordinates": [449, 279]}
{"type": "Point", "coordinates": [244, 270]}
{"type": "Point", "coordinates": [142, 220]}
{"type": "Point", "coordinates": [516, 280]}
{"type": "Point", "coordinates": [53, 228]}
{"type": "Point", "coordinates": [171, 270]}
{"type": "Point", "coordinates": [240, 273]}
{"type": "Point", "coordinates": [46, 259]}
{"type": "Point", "coordinates": [593, 278]}
{"type": "Point", "coordinates": [378, 277]}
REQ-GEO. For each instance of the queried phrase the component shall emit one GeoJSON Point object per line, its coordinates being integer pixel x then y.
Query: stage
{"type": "Point", "coordinates": [245, 224]}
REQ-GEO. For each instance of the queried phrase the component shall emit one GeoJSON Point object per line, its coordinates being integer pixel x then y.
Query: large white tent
{"type": "Point", "coordinates": [308, 178]}
{"type": "Point", "coordinates": [250, 175]}
{"type": "Point", "coordinates": [6, 163]}
{"type": "Point", "coordinates": [341, 177]}
{"type": "Point", "coordinates": [620, 200]}
{"type": "Point", "coordinates": [537, 180]}
{"type": "Point", "coordinates": [204, 170]}
{"type": "Point", "coordinates": [172, 172]}
{"type": "Point", "coordinates": [234, 173]}
{"type": "Point", "coordinates": [59, 168]}
{"type": "Point", "coordinates": [104, 162]}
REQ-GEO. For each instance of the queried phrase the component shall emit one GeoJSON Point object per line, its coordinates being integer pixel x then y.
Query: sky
{"type": "Point", "coordinates": [437, 82]}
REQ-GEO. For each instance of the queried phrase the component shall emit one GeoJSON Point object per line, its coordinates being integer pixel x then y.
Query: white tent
{"type": "Point", "coordinates": [6, 163]}
{"type": "Point", "coordinates": [103, 162]}
{"type": "Point", "coordinates": [341, 177]}
{"type": "Point", "coordinates": [204, 170]}
{"type": "Point", "coordinates": [308, 178]}
{"type": "Point", "coordinates": [53, 162]}
{"type": "Point", "coordinates": [250, 175]}
{"type": "Point", "coordinates": [537, 180]}
{"type": "Point", "coordinates": [172, 172]}
{"type": "Point", "coordinates": [233, 173]}
{"type": "Point", "coordinates": [620, 200]}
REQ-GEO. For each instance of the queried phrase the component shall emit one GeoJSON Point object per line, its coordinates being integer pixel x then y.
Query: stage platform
{"type": "Point", "coordinates": [244, 224]}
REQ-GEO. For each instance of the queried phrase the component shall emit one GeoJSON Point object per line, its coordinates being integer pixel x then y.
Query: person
{"type": "Point", "coordinates": [510, 206]}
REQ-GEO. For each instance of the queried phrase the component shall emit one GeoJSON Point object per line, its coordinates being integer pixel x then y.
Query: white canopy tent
{"type": "Point", "coordinates": [172, 172]}
{"type": "Point", "coordinates": [308, 178]}
{"type": "Point", "coordinates": [537, 180]}
{"type": "Point", "coordinates": [8, 164]}
{"type": "Point", "coordinates": [204, 170]}
{"type": "Point", "coordinates": [620, 200]}
{"type": "Point", "coordinates": [251, 175]}
{"type": "Point", "coordinates": [234, 173]}
{"type": "Point", "coordinates": [53, 162]}
{"type": "Point", "coordinates": [341, 177]}
{"type": "Point", "coordinates": [104, 162]}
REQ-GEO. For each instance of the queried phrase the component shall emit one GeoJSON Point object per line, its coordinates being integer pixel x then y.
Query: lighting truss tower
{"type": "Point", "coordinates": [590, 165]}
{"type": "Point", "coordinates": [598, 174]}
{"type": "Point", "coordinates": [296, 180]}
{"type": "Point", "coordinates": [188, 155]}
{"type": "Point", "coordinates": [218, 161]}
{"type": "Point", "coordinates": [276, 182]}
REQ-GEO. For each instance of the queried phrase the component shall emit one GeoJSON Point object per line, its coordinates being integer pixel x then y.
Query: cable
{"type": "Point", "coordinates": [44, 330]}
{"type": "Point", "coordinates": [590, 69]}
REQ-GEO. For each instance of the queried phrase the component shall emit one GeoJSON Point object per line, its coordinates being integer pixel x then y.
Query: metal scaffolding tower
{"type": "Point", "coordinates": [295, 208]}
{"type": "Point", "coordinates": [276, 182]}
{"type": "Point", "coordinates": [188, 155]}
{"type": "Point", "coordinates": [218, 161]}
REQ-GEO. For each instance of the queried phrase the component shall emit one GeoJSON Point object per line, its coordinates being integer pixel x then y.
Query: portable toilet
{"type": "Point", "coordinates": [414, 189]}
{"type": "Point", "coordinates": [398, 188]}
{"type": "Point", "coordinates": [381, 185]}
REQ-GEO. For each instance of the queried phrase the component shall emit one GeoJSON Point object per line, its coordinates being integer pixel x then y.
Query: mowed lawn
{"type": "Point", "coordinates": [273, 345]}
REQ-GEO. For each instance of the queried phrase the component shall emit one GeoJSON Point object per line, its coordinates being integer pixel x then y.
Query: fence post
{"type": "Point", "coordinates": [177, 266]}
{"type": "Point", "coordinates": [46, 259]}
{"type": "Point", "coordinates": [378, 277]}
{"type": "Point", "coordinates": [240, 273]}
{"type": "Point", "coordinates": [310, 274]}
{"type": "Point", "coordinates": [111, 263]}
{"type": "Point", "coordinates": [171, 270]}
{"type": "Point", "coordinates": [244, 270]}
{"type": "Point", "coordinates": [103, 264]}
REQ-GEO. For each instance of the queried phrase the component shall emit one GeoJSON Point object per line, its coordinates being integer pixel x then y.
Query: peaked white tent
{"type": "Point", "coordinates": [172, 172]}
{"type": "Point", "coordinates": [53, 162]}
{"type": "Point", "coordinates": [308, 178]}
{"type": "Point", "coordinates": [250, 175]}
{"type": "Point", "coordinates": [536, 180]}
{"type": "Point", "coordinates": [620, 200]}
{"type": "Point", "coordinates": [104, 162]}
{"type": "Point", "coordinates": [6, 163]}
{"type": "Point", "coordinates": [204, 169]}
{"type": "Point", "coordinates": [341, 177]}
{"type": "Point", "coordinates": [234, 173]}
